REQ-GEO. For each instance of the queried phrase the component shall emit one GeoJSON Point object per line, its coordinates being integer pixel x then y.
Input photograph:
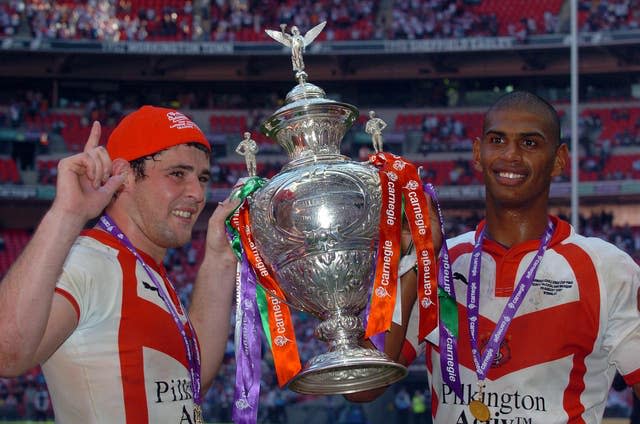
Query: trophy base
{"type": "Point", "coordinates": [347, 371]}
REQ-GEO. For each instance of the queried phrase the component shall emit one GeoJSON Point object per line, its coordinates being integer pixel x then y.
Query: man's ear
{"type": "Point", "coordinates": [476, 154]}
{"type": "Point", "coordinates": [122, 167]}
{"type": "Point", "coordinates": [561, 160]}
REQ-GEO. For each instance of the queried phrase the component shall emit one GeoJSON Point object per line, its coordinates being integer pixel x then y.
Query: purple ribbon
{"type": "Point", "coordinates": [190, 345]}
{"type": "Point", "coordinates": [247, 341]}
{"type": "Point", "coordinates": [483, 362]}
{"type": "Point", "coordinates": [448, 337]}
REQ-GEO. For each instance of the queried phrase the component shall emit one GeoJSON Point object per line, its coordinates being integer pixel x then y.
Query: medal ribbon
{"type": "Point", "coordinates": [190, 344]}
{"type": "Point", "coordinates": [473, 302]}
{"type": "Point", "coordinates": [283, 340]}
{"type": "Point", "coordinates": [448, 308]}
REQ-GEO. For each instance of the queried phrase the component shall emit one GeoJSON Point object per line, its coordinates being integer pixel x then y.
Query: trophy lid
{"type": "Point", "coordinates": [309, 124]}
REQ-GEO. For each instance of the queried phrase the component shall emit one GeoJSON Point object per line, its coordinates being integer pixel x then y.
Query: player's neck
{"type": "Point", "coordinates": [510, 227]}
{"type": "Point", "coordinates": [135, 235]}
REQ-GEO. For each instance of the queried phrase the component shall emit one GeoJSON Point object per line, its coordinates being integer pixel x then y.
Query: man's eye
{"type": "Point", "coordinates": [204, 179]}
{"type": "Point", "coordinates": [178, 174]}
{"type": "Point", "coordinates": [529, 143]}
{"type": "Point", "coordinates": [496, 140]}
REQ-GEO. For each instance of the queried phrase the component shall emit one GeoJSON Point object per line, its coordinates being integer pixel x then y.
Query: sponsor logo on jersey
{"type": "Point", "coordinates": [506, 407]}
{"type": "Point", "coordinates": [552, 287]}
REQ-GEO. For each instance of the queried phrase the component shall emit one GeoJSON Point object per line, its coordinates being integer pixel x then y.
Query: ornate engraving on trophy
{"type": "Point", "coordinates": [316, 225]}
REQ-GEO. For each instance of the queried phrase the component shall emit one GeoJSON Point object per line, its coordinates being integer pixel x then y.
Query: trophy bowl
{"type": "Point", "coordinates": [315, 223]}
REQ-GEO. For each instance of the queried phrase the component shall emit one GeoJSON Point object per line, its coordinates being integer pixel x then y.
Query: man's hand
{"type": "Point", "coordinates": [85, 185]}
{"type": "Point", "coordinates": [213, 293]}
{"type": "Point", "coordinates": [217, 243]}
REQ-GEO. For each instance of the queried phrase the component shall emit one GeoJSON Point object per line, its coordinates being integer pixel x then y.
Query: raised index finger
{"type": "Point", "coordinates": [94, 137]}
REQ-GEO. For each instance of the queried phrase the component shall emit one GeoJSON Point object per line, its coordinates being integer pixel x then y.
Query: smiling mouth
{"type": "Point", "coordinates": [182, 214]}
{"type": "Point", "coordinates": [511, 175]}
{"type": "Point", "coordinates": [508, 178]}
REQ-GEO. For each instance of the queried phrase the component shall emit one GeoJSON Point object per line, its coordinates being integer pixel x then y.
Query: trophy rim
{"type": "Point", "coordinates": [270, 126]}
{"type": "Point", "coordinates": [320, 376]}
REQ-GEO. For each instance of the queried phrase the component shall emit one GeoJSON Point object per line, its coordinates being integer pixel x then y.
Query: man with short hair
{"type": "Point", "coordinates": [542, 316]}
{"type": "Point", "coordinates": [96, 307]}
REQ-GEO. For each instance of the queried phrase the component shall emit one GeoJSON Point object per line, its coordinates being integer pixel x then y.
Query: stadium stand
{"type": "Point", "coordinates": [609, 123]}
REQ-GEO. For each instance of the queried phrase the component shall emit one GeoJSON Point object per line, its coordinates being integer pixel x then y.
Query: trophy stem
{"type": "Point", "coordinates": [346, 367]}
{"type": "Point", "coordinates": [340, 331]}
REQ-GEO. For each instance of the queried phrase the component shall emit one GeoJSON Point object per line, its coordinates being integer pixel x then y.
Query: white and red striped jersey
{"type": "Point", "coordinates": [578, 323]}
{"type": "Point", "coordinates": [125, 362]}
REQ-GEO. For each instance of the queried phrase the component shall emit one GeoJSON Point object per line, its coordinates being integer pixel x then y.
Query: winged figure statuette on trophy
{"type": "Point", "coordinates": [298, 43]}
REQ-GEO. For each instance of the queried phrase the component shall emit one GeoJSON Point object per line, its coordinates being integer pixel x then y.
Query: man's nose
{"type": "Point", "coordinates": [195, 189]}
{"type": "Point", "coordinates": [511, 150]}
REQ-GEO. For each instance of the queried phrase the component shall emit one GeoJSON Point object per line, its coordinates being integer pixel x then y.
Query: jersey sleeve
{"type": "Point", "coordinates": [622, 335]}
{"type": "Point", "coordinates": [84, 282]}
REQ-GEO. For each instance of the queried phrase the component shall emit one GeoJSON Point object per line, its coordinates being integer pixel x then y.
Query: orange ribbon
{"type": "Point", "coordinates": [283, 339]}
{"type": "Point", "coordinates": [417, 211]}
{"type": "Point", "coordinates": [385, 283]}
{"type": "Point", "coordinates": [404, 175]}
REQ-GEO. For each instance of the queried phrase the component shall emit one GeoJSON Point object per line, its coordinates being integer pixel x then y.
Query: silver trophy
{"type": "Point", "coordinates": [316, 224]}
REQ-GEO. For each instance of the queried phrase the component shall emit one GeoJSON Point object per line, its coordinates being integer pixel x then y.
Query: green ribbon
{"type": "Point", "coordinates": [250, 185]}
{"type": "Point", "coordinates": [261, 298]}
{"type": "Point", "coordinates": [448, 311]}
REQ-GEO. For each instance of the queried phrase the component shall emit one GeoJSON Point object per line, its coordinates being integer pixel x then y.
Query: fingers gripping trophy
{"type": "Point", "coordinates": [315, 225]}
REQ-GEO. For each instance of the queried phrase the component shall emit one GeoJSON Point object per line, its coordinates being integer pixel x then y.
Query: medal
{"type": "Point", "coordinates": [478, 409]}
{"type": "Point", "coordinates": [197, 414]}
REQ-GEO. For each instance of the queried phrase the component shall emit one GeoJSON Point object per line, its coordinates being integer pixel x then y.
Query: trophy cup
{"type": "Point", "coordinates": [316, 225]}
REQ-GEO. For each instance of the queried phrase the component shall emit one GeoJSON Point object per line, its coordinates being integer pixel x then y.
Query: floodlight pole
{"type": "Point", "coordinates": [575, 176]}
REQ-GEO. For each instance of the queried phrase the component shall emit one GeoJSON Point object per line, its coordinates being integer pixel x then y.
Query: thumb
{"type": "Point", "coordinates": [113, 184]}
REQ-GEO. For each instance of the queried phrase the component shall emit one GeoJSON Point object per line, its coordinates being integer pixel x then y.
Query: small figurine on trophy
{"type": "Point", "coordinates": [248, 148]}
{"type": "Point", "coordinates": [374, 127]}
{"type": "Point", "coordinates": [297, 43]}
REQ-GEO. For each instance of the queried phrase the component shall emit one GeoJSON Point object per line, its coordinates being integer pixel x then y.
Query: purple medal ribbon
{"type": "Point", "coordinates": [473, 302]}
{"type": "Point", "coordinates": [191, 348]}
{"type": "Point", "coordinates": [448, 340]}
{"type": "Point", "coordinates": [247, 388]}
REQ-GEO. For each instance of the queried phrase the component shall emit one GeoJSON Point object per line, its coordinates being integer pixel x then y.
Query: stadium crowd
{"type": "Point", "coordinates": [602, 130]}
{"type": "Point", "coordinates": [171, 20]}
{"type": "Point", "coordinates": [609, 138]}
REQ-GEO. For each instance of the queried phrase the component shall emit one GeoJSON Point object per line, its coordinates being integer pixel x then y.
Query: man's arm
{"type": "Point", "coordinates": [210, 309]}
{"type": "Point", "coordinates": [394, 339]}
{"type": "Point", "coordinates": [32, 323]}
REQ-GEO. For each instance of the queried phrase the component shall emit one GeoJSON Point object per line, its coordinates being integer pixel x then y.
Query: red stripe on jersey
{"type": "Point", "coordinates": [71, 300]}
{"type": "Point", "coordinates": [408, 352]}
{"type": "Point", "coordinates": [141, 324]}
{"type": "Point", "coordinates": [535, 344]}
{"type": "Point", "coordinates": [633, 378]}
{"type": "Point", "coordinates": [587, 328]}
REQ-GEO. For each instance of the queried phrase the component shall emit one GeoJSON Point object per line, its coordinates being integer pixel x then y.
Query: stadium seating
{"type": "Point", "coordinates": [9, 171]}
{"type": "Point", "coordinates": [14, 242]}
{"type": "Point", "coordinates": [514, 11]}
